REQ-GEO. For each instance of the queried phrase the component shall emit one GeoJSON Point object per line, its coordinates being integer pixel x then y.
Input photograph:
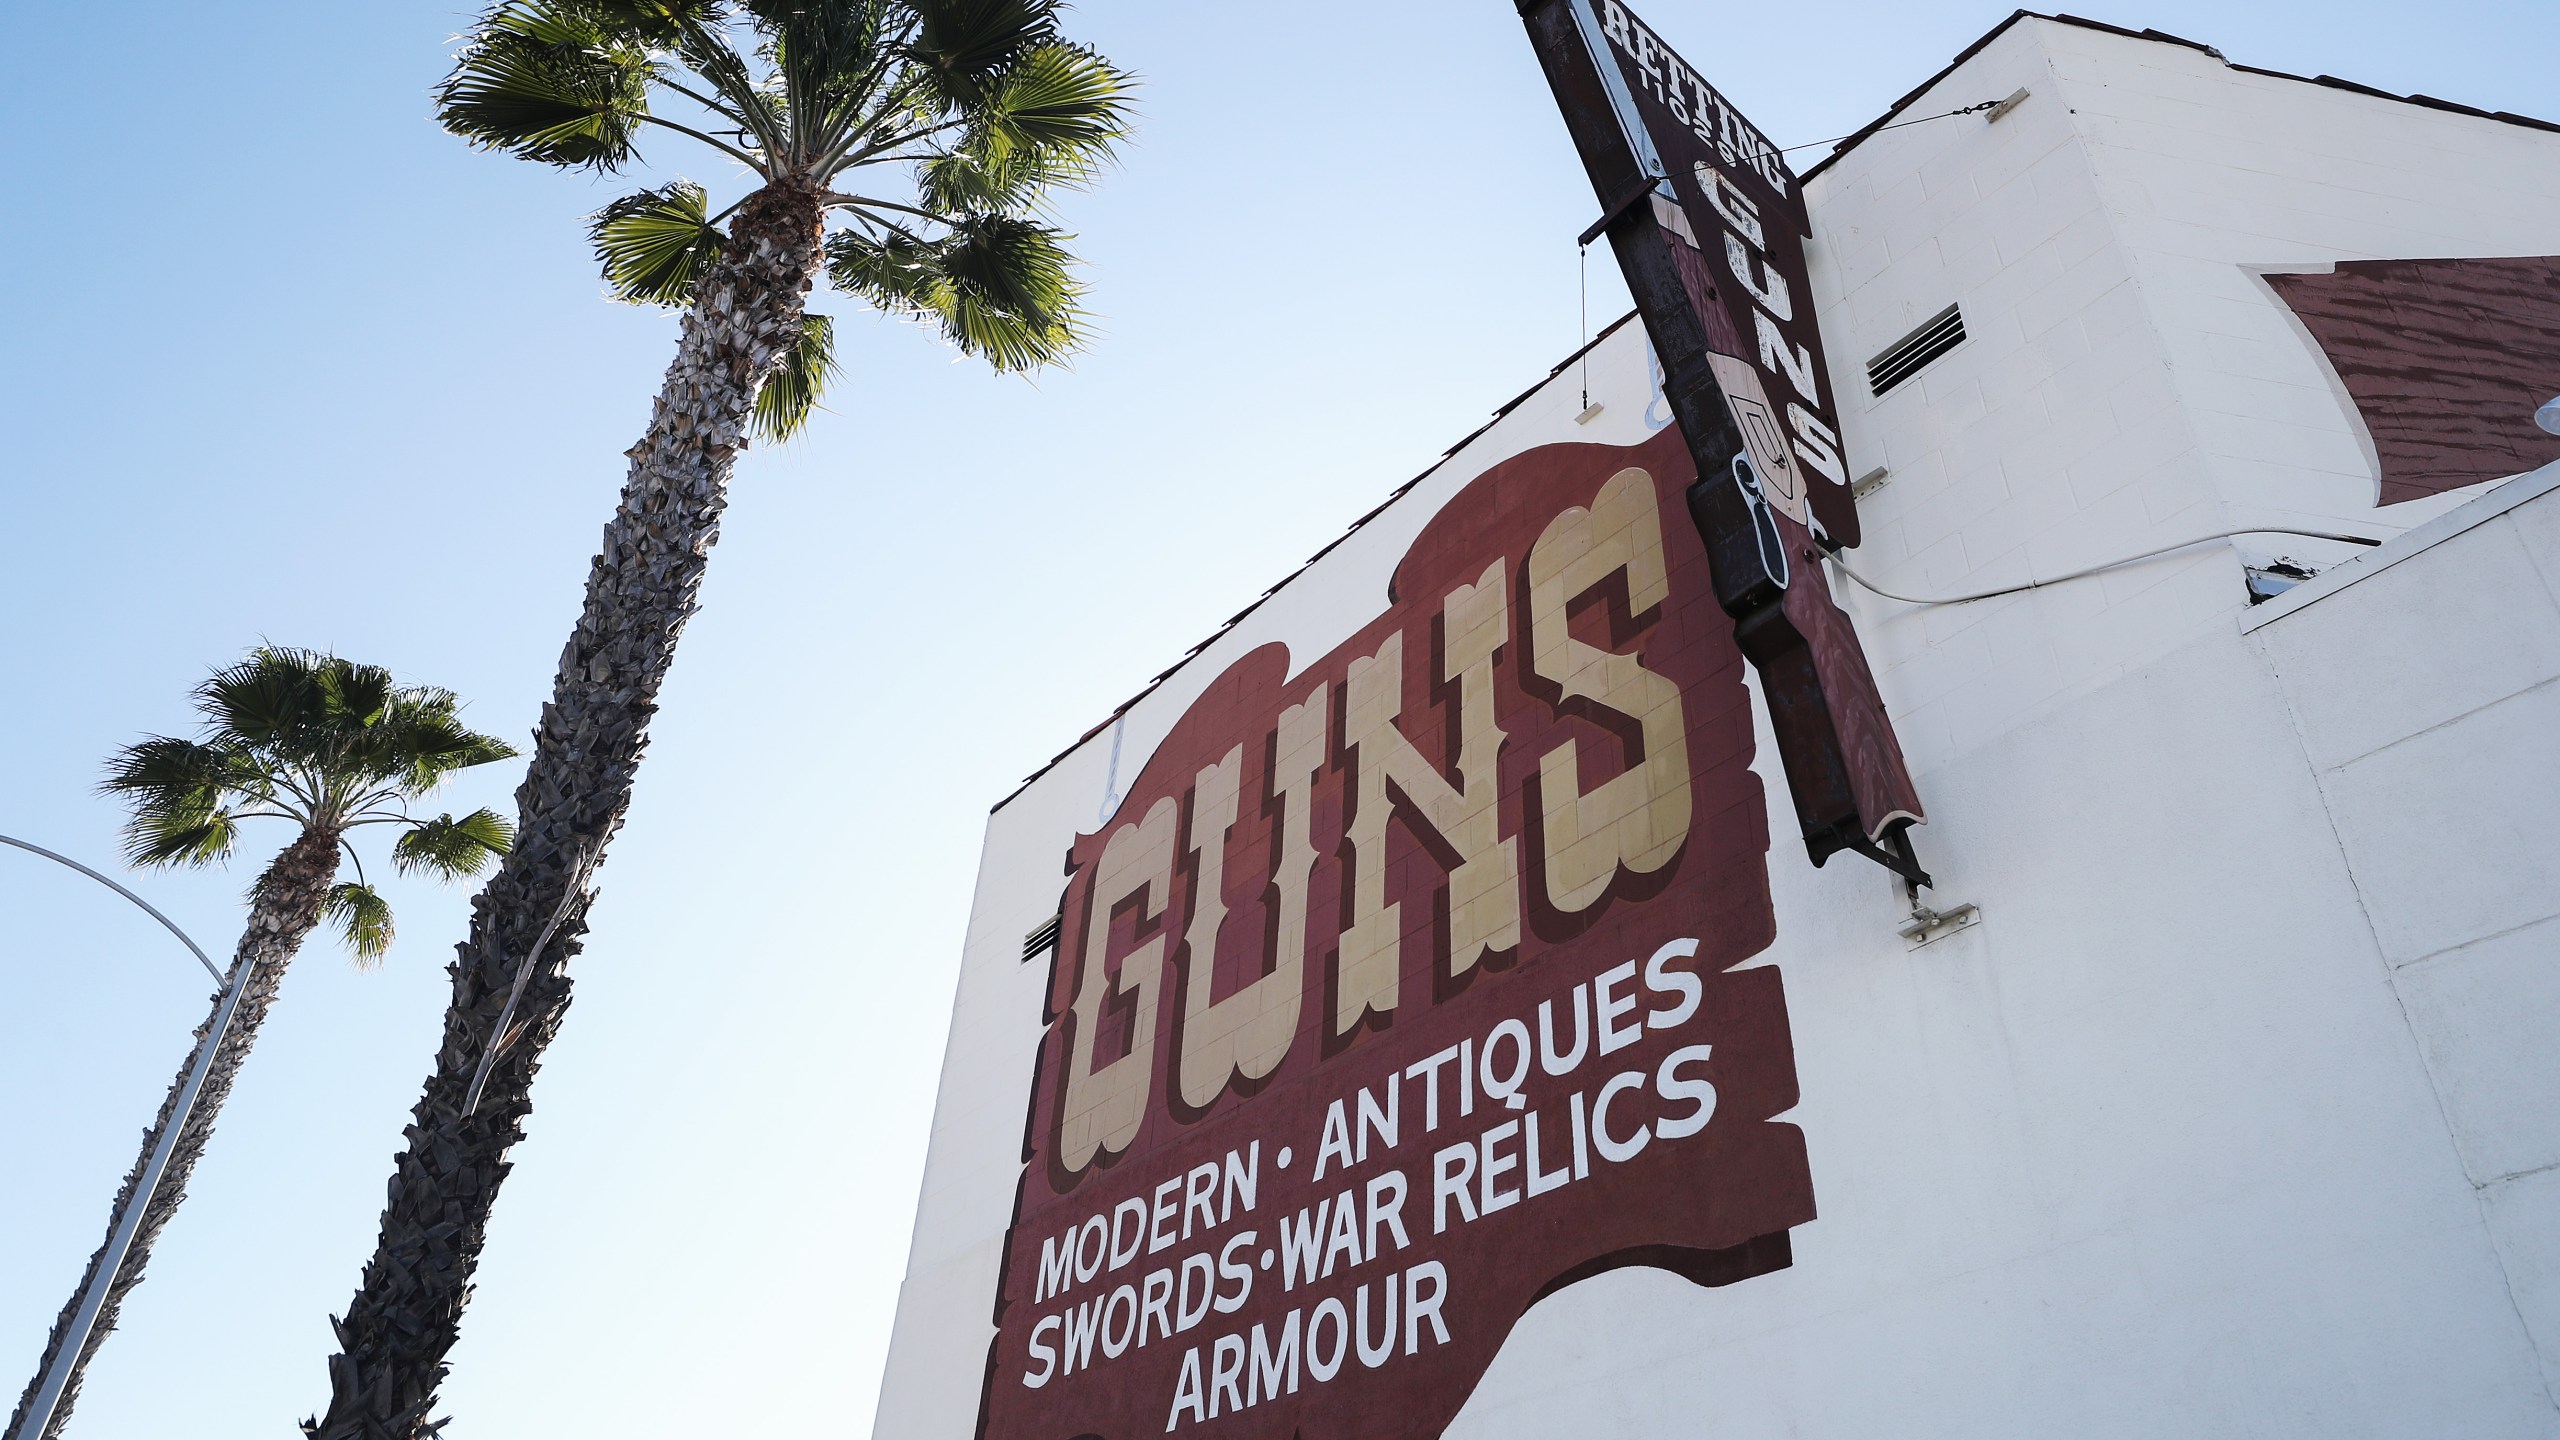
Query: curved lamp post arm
{"type": "Point", "coordinates": [68, 1354]}
{"type": "Point", "coordinates": [147, 907]}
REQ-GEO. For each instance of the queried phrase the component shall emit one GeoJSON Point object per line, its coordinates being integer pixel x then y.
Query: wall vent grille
{"type": "Point", "coordinates": [1039, 942]}
{"type": "Point", "coordinates": [1904, 358]}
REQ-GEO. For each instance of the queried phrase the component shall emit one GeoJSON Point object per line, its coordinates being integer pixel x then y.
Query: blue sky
{"type": "Point", "coordinates": [282, 361]}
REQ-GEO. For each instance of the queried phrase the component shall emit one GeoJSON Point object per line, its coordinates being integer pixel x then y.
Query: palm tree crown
{"type": "Point", "coordinates": [327, 743]}
{"type": "Point", "coordinates": [973, 113]}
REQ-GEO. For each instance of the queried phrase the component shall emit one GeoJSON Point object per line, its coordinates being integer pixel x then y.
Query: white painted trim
{"type": "Point", "coordinates": [2502, 497]}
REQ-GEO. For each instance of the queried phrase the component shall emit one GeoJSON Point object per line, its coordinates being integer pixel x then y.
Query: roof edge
{"type": "Point", "coordinates": [2162, 37]}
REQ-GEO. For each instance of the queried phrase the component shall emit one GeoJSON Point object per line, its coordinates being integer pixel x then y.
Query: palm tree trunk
{"type": "Point", "coordinates": [640, 592]}
{"type": "Point", "coordinates": [284, 905]}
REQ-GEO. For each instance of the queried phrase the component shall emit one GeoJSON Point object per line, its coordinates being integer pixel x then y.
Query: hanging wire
{"type": "Point", "coordinates": [1582, 255]}
{"type": "Point", "coordinates": [1898, 124]}
{"type": "Point", "coordinates": [2089, 570]}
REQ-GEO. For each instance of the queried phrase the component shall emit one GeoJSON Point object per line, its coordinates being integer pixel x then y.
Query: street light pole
{"type": "Point", "coordinates": [38, 1418]}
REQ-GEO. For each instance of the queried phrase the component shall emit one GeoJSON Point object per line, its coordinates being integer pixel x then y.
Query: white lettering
{"type": "Point", "coordinates": [1226, 1373]}
{"type": "Point", "coordinates": [1113, 1350]}
{"type": "Point", "coordinates": [1186, 1314]}
{"type": "Point", "coordinates": [1041, 1352]}
{"type": "Point", "coordinates": [1453, 1178]}
{"type": "Point", "coordinates": [1506, 1088]}
{"type": "Point", "coordinates": [1301, 1245]}
{"type": "Point", "coordinates": [1320, 1365]}
{"type": "Point", "coordinates": [1336, 1144]}
{"type": "Point", "coordinates": [1186, 1391]}
{"type": "Point", "coordinates": [1385, 1349]}
{"type": "Point", "coordinates": [1271, 1365]}
{"type": "Point", "coordinates": [1659, 976]}
{"type": "Point", "coordinates": [1610, 1006]}
{"type": "Point", "coordinates": [1388, 1210]}
{"type": "Point", "coordinates": [1381, 1121]}
{"type": "Point", "coordinates": [1776, 356]}
{"type": "Point", "coordinates": [1229, 1269]}
{"type": "Point", "coordinates": [1616, 1152]}
{"type": "Point", "coordinates": [1244, 1179]}
{"type": "Point", "coordinates": [1133, 1210]}
{"type": "Point", "coordinates": [1549, 1059]}
{"type": "Point", "coordinates": [1540, 1181]}
{"type": "Point", "coordinates": [1495, 1164]}
{"type": "Point", "coordinates": [1701, 1094]}
{"type": "Point", "coordinates": [1417, 1310]}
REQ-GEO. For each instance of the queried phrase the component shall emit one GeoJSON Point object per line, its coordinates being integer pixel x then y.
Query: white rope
{"type": "Point", "coordinates": [2094, 569]}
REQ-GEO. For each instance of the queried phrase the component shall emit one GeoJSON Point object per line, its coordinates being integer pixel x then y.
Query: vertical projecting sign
{"type": "Point", "coordinates": [1709, 227]}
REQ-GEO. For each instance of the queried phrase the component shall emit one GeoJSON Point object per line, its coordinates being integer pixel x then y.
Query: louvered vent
{"type": "Point", "coordinates": [1039, 942]}
{"type": "Point", "coordinates": [1903, 358]}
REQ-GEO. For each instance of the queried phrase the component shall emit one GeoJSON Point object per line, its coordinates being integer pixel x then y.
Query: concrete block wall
{"type": "Point", "coordinates": [2127, 379]}
{"type": "Point", "coordinates": [2052, 438]}
{"type": "Point", "coordinates": [2424, 682]}
{"type": "Point", "coordinates": [2210, 174]}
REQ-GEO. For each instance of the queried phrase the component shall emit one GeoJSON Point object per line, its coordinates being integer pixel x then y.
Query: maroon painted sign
{"type": "Point", "coordinates": [1405, 987]}
{"type": "Point", "coordinates": [1709, 228]}
{"type": "Point", "coordinates": [1737, 234]}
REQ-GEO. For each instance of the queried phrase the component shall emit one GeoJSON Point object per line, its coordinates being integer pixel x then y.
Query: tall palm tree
{"type": "Point", "coordinates": [905, 151]}
{"type": "Point", "coordinates": [332, 747]}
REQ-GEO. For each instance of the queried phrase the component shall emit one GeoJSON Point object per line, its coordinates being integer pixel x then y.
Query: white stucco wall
{"type": "Point", "coordinates": [2439, 766]}
{"type": "Point", "coordinates": [2237, 1114]}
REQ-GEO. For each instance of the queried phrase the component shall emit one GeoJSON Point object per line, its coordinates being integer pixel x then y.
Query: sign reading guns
{"type": "Point", "coordinates": [1401, 990]}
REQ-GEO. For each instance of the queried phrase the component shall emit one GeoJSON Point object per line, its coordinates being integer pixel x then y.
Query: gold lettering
{"type": "Point", "coordinates": [1636, 820]}
{"type": "Point", "coordinates": [1465, 818]}
{"type": "Point", "coordinates": [1104, 1107]}
{"type": "Point", "coordinates": [1247, 1034]}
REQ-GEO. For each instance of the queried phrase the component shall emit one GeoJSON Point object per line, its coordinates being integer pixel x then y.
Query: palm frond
{"type": "Point", "coordinates": [791, 393]}
{"type": "Point", "coordinates": [657, 245]}
{"type": "Point", "coordinates": [896, 271]}
{"type": "Point", "coordinates": [832, 60]}
{"type": "Point", "coordinates": [963, 48]}
{"type": "Point", "coordinates": [155, 838]}
{"type": "Point", "coordinates": [423, 742]}
{"type": "Point", "coordinates": [1063, 104]}
{"type": "Point", "coordinates": [558, 81]}
{"type": "Point", "coordinates": [981, 179]}
{"type": "Point", "coordinates": [655, 23]}
{"type": "Point", "coordinates": [363, 919]}
{"type": "Point", "coordinates": [707, 51]}
{"type": "Point", "coordinates": [179, 791]}
{"type": "Point", "coordinates": [352, 694]}
{"type": "Point", "coordinates": [180, 776]}
{"type": "Point", "coordinates": [998, 287]}
{"type": "Point", "coordinates": [452, 849]}
{"type": "Point", "coordinates": [269, 699]}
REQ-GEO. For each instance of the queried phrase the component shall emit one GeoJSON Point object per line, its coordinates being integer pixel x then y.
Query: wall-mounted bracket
{"type": "Point", "coordinates": [1926, 925]}
{"type": "Point", "coordinates": [1895, 854]}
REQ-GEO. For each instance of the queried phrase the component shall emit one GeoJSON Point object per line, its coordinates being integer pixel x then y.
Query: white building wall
{"type": "Point", "coordinates": [2127, 380]}
{"type": "Point", "coordinates": [2440, 789]}
{"type": "Point", "coordinates": [2167, 1144]}
{"type": "Point", "coordinates": [2237, 1113]}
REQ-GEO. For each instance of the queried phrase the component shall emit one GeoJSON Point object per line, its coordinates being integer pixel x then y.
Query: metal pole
{"type": "Point", "coordinates": [66, 1356]}
{"type": "Point", "coordinates": [147, 908]}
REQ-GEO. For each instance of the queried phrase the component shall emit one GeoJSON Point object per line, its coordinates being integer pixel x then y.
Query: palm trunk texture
{"type": "Point", "coordinates": [640, 591]}
{"type": "Point", "coordinates": [284, 905]}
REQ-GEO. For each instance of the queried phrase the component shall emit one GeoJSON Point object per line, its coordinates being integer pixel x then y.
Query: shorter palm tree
{"type": "Point", "coordinates": [332, 747]}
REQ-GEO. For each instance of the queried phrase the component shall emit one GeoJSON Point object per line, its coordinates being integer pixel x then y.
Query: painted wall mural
{"type": "Point", "coordinates": [1408, 986]}
{"type": "Point", "coordinates": [2446, 361]}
